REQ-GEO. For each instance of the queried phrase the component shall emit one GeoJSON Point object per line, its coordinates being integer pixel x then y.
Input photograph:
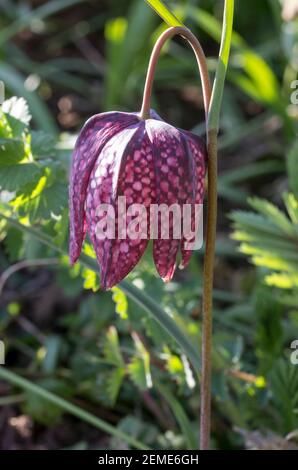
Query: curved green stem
{"type": "Point", "coordinates": [201, 60]}
{"type": "Point", "coordinates": [213, 126]}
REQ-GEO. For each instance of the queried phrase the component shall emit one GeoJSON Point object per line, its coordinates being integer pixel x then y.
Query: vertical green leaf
{"type": "Point", "coordinates": [163, 11]}
{"type": "Point", "coordinates": [292, 165]}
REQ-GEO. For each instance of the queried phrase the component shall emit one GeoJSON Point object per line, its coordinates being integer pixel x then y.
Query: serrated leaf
{"type": "Point", "coordinates": [284, 386]}
{"type": "Point", "coordinates": [282, 280]}
{"type": "Point", "coordinates": [5, 129]}
{"type": "Point", "coordinates": [291, 203]}
{"type": "Point", "coordinates": [113, 384]}
{"type": "Point", "coordinates": [273, 214]}
{"type": "Point", "coordinates": [111, 349]}
{"type": "Point", "coordinates": [15, 177]}
{"type": "Point", "coordinates": [13, 243]}
{"type": "Point", "coordinates": [11, 151]}
{"type": "Point", "coordinates": [45, 202]}
{"type": "Point", "coordinates": [17, 114]}
{"type": "Point", "coordinates": [42, 145]}
{"type": "Point", "coordinates": [137, 373]}
{"type": "Point", "coordinates": [121, 303]}
{"type": "Point", "coordinates": [91, 279]}
{"type": "Point", "coordinates": [139, 367]}
{"type": "Point", "coordinates": [269, 331]}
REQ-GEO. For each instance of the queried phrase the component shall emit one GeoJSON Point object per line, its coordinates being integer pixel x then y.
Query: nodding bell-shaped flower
{"type": "Point", "coordinates": [147, 162]}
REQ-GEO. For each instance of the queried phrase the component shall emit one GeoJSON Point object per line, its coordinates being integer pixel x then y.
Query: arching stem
{"type": "Point", "coordinates": [212, 104]}
{"type": "Point", "coordinates": [201, 60]}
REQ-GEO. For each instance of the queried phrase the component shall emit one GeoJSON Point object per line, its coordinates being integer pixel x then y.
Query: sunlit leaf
{"type": "Point", "coordinates": [11, 151]}
{"type": "Point", "coordinates": [163, 11]}
{"type": "Point", "coordinates": [15, 177]}
{"type": "Point", "coordinates": [121, 303]}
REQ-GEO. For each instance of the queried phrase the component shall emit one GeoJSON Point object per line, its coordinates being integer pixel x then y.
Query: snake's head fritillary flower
{"type": "Point", "coordinates": [147, 162]}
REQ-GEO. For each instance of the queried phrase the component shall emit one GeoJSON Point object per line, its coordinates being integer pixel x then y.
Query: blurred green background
{"type": "Point", "coordinates": [104, 353]}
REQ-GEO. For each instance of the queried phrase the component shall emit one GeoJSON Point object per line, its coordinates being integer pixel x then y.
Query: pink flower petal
{"type": "Point", "coordinates": [121, 170]}
{"type": "Point", "coordinates": [175, 185]}
{"type": "Point", "coordinates": [198, 152]}
{"type": "Point", "coordinates": [94, 135]}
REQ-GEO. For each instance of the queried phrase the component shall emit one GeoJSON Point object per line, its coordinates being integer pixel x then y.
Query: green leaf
{"type": "Point", "coordinates": [251, 171]}
{"type": "Point", "coordinates": [291, 203]}
{"type": "Point", "coordinates": [137, 373]}
{"type": "Point", "coordinates": [40, 409]}
{"type": "Point", "coordinates": [163, 11]}
{"type": "Point", "coordinates": [113, 384]}
{"type": "Point", "coordinates": [13, 244]}
{"type": "Point", "coordinates": [42, 145]}
{"type": "Point", "coordinates": [269, 331]}
{"type": "Point", "coordinates": [122, 49]}
{"type": "Point", "coordinates": [15, 177]}
{"type": "Point", "coordinates": [254, 76]}
{"type": "Point", "coordinates": [273, 214]}
{"type": "Point", "coordinates": [121, 302]}
{"type": "Point", "coordinates": [222, 66]}
{"type": "Point", "coordinates": [112, 351]}
{"type": "Point", "coordinates": [270, 238]}
{"type": "Point", "coordinates": [292, 164]}
{"type": "Point", "coordinates": [91, 279]}
{"type": "Point", "coordinates": [138, 296]}
{"type": "Point", "coordinates": [258, 80]}
{"type": "Point", "coordinates": [51, 200]}
{"type": "Point", "coordinates": [11, 151]}
{"type": "Point", "coordinates": [139, 367]}
{"type": "Point", "coordinates": [68, 407]}
{"type": "Point", "coordinates": [17, 113]}
{"type": "Point", "coordinates": [181, 417]}
{"type": "Point", "coordinates": [284, 387]}
{"type": "Point", "coordinates": [52, 347]}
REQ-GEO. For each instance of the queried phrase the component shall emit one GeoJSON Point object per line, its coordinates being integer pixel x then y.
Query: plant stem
{"type": "Point", "coordinates": [205, 420]}
{"type": "Point", "coordinates": [22, 265]}
{"type": "Point", "coordinates": [212, 135]}
{"type": "Point", "coordinates": [201, 60]}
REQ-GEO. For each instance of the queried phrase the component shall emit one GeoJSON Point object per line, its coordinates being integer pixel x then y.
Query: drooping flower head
{"type": "Point", "coordinates": [138, 158]}
{"type": "Point", "coordinates": [145, 161]}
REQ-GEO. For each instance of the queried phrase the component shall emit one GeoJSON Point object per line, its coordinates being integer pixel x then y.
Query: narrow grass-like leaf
{"type": "Point", "coordinates": [138, 296]}
{"type": "Point", "coordinates": [180, 416]}
{"type": "Point", "coordinates": [163, 11]}
{"type": "Point", "coordinates": [68, 407]}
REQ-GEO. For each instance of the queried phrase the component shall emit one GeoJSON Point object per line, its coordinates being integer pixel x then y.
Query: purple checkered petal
{"type": "Point", "coordinates": [97, 131]}
{"type": "Point", "coordinates": [119, 155]}
{"type": "Point", "coordinates": [197, 152]}
{"type": "Point", "coordinates": [123, 169]}
{"type": "Point", "coordinates": [175, 178]}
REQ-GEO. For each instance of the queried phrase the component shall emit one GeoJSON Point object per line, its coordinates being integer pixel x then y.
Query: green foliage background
{"type": "Point", "coordinates": [127, 361]}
